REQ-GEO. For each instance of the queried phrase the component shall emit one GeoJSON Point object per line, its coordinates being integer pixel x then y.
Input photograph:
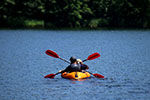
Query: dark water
{"type": "Point", "coordinates": [124, 61]}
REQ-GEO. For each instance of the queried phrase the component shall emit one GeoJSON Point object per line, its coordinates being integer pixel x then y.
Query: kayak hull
{"type": "Point", "coordinates": [75, 75]}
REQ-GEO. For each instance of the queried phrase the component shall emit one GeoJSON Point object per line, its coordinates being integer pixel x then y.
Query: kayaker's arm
{"type": "Point", "coordinates": [65, 70]}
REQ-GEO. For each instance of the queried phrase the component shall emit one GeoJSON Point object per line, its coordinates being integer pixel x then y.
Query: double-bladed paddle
{"type": "Point", "coordinates": [55, 55]}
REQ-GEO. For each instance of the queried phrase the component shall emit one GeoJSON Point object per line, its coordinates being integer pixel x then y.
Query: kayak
{"type": "Point", "coordinates": [75, 75]}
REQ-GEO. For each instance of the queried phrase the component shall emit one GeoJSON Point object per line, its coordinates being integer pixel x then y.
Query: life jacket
{"type": "Point", "coordinates": [75, 67]}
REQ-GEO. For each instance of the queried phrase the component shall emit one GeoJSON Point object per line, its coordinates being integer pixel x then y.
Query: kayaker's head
{"type": "Point", "coordinates": [73, 59]}
{"type": "Point", "coordinates": [79, 61]}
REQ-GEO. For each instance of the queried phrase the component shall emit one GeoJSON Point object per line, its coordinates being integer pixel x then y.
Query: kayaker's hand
{"type": "Point", "coordinates": [83, 71]}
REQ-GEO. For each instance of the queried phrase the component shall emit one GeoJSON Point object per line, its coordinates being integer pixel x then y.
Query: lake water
{"type": "Point", "coordinates": [124, 61]}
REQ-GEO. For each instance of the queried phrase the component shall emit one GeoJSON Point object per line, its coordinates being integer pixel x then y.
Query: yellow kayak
{"type": "Point", "coordinates": [75, 75]}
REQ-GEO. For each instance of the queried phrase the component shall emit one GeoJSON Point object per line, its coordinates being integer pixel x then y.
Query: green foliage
{"type": "Point", "coordinates": [95, 23]}
{"type": "Point", "coordinates": [34, 23]}
{"type": "Point", "coordinates": [75, 13]}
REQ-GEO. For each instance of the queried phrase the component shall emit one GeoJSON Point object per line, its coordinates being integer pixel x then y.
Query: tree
{"type": "Point", "coordinates": [76, 13]}
{"type": "Point", "coordinates": [66, 13]}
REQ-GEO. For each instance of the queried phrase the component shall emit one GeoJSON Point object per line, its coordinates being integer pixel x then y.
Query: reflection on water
{"type": "Point", "coordinates": [124, 61]}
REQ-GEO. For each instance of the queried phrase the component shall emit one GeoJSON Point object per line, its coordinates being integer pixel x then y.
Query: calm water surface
{"type": "Point", "coordinates": [124, 61]}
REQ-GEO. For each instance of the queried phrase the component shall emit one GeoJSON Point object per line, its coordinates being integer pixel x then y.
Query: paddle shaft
{"type": "Point", "coordinates": [84, 60]}
{"type": "Point", "coordinates": [64, 60]}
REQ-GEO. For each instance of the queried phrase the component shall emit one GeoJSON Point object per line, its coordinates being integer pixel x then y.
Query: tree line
{"type": "Point", "coordinates": [75, 13]}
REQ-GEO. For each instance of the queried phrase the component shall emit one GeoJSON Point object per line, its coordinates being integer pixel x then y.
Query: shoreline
{"type": "Point", "coordinates": [74, 29]}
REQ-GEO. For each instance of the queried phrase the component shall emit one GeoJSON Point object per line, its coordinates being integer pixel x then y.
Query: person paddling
{"type": "Point", "coordinates": [55, 55]}
{"type": "Point", "coordinates": [73, 67]}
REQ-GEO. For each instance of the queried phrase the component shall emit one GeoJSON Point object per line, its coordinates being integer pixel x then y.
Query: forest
{"type": "Point", "coordinates": [90, 14]}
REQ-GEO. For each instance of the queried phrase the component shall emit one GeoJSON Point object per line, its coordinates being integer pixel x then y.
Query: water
{"type": "Point", "coordinates": [124, 61]}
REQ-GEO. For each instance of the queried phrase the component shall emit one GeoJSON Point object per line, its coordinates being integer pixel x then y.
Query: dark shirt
{"type": "Point", "coordinates": [72, 68]}
{"type": "Point", "coordinates": [75, 68]}
{"type": "Point", "coordinates": [84, 67]}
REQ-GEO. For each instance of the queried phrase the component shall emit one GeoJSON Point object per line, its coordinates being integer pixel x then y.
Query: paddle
{"type": "Point", "coordinates": [92, 56]}
{"type": "Point", "coordinates": [55, 55]}
{"type": "Point", "coordinates": [96, 75]}
{"type": "Point", "coordinates": [51, 75]}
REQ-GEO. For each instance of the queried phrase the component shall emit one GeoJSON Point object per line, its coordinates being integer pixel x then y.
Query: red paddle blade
{"type": "Point", "coordinates": [52, 53]}
{"type": "Point", "coordinates": [93, 56]}
{"type": "Point", "coordinates": [98, 75]}
{"type": "Point", "coordinates": [50, 76]}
